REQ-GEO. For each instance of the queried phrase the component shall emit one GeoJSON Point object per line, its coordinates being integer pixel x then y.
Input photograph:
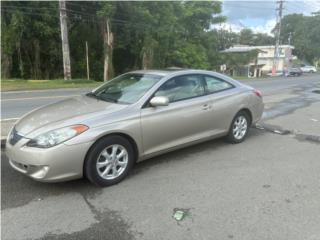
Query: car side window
{"type": "Point", "coordinates": [216, 85]}
{"type": "Point", "coordinates": [182, 87]}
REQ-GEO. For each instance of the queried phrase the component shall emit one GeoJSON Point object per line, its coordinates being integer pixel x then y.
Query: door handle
{"type": "Point", "coordinates": [205, 107]}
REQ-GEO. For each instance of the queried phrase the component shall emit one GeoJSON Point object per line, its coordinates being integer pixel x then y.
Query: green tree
{"type": "Point", "coordinates": [304, 34]}
{"type": "Point", "coordinates": [141, 35]}
{"type": "Point", "coordinates": [30, 36]}
{"type": "Point", "coordinates": [246, 37]}
{"type": "Point", "coordinates": [261, 39]}
{"type": "Point", "coordinates": [190, 55]}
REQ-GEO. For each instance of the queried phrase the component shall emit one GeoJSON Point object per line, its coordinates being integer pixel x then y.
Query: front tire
{"type": "Point", "coordinates": [239, 128]}
{"type": "Point", "coordinates": [109, 161]}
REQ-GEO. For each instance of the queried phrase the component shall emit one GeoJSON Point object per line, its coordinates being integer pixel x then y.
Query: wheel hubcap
{"type": "Point", "coordinates": [112, 162]}
{"type": "Point", "coordinates": [240, 127]}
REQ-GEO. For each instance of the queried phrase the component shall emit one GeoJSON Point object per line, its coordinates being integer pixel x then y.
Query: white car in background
{"type": "Point", "coordinates": [277, 74]}
{"type": "Point", "coordinates": [308, 69]}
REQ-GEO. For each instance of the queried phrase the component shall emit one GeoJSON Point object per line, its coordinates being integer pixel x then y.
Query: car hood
{"type": "Point", "coordinates": [76, 108]}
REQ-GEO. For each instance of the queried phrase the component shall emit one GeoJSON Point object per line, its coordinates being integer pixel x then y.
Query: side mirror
{"type": "Point", "coordinates": [159, 101]}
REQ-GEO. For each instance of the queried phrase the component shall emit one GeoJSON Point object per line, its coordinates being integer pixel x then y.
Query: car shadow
{"type": "Point", "coordinates": [17, 189]}
{"type": "Point", "coordinates": [183, 153]}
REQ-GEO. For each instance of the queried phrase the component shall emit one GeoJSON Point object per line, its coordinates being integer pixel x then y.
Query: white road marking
{"type": "Point", "coordinates": [8, 119]}
{"type": "Point", "coordinates": [46, 90]}
{"type": "Point", "coordinates": [32, 98]}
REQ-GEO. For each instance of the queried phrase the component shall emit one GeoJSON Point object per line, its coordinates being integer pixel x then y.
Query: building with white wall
{"type": "Point", "coordinates": [265, 57]}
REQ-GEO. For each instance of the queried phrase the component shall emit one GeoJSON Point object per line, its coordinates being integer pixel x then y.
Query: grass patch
{"type": "Point", "coordinates": [19, 84]}
{"type": "Point", "coordinates": [242, 78]}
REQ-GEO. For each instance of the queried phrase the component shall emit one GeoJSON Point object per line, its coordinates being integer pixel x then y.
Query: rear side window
{"type": "Point", "coordinates": [182, 87]}
{"type": "Point", "coordinates": [216, 85]}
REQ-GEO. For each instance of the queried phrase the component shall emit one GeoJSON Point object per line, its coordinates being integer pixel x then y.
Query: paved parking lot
{"type": "Point", "coordinates": [264, 188]}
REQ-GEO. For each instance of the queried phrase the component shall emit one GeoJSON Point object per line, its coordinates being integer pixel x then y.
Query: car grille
{"type": "Point", "coordinates": [14, 137]}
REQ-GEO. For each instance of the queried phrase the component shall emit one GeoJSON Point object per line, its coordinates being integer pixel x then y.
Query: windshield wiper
{"type": "Point", "coordinates": [99, 97]}
{"type": "Point", "coordinates": [92, 94]}
{"type": "Point", "coordinates": [109, 99]}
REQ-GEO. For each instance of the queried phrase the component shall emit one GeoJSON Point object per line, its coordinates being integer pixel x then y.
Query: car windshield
{"type": "Point", "coordinates": [127, 88]}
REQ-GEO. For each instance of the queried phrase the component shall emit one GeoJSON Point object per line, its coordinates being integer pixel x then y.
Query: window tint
{"type": "Point", "coordinates": [216, 85]}
{"type": "Point", "coordinates": [181, 87]}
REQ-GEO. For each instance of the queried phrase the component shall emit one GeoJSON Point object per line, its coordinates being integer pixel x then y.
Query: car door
{"type": "Point", "coordinates": [184, 120]}
{"type": "Point", "coordinates": [225, 100]}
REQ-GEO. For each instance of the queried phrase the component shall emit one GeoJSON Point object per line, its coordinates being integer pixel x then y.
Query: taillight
{"type": "Point", "coordinates": [257, 92]}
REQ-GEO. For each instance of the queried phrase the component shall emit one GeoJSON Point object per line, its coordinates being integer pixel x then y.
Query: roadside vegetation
{"type": "Point", "coordinates": [20, 84]}
{"type": "Point", "coordinates": [142, 35]}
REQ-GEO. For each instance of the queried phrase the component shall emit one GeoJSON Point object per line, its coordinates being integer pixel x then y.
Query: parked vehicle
{"type": "Point", "coordinates": [293, 72]}
{"type": "Point", "coordinates": [308, 69]}
{"type": "Point", "coordinates": [131, 118]}
{"type": "Point", "coordinates": [277, 74]}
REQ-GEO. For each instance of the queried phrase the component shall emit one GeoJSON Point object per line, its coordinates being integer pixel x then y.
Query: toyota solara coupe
{"type": "Point", "coordinates": [135, 116]}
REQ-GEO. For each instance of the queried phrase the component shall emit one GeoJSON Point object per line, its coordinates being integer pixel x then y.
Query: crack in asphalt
{"type": "Point", "coordinates": [310, 138]}
{"type": "Point", "coordinates": [306, 96]}
{"type": "Point", "coordinates": [95, 212]}
{"type": "Point", "coordinates": [280, 131]}
{"type": "Point", "coordinates": [110, 226]}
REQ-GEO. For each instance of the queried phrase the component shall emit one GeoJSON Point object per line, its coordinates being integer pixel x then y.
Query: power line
{"type": "Point", "coordinates": [119, 22]}
{"type": "Point", "coordinates": [79, 5]}
{"type": "Point", "coordinates": [228, 4]}
{"type": "Point", "coordinates": [72, 12]}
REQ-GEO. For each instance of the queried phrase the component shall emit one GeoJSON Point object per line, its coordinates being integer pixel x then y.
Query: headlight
{"type": "Point", "coordinates": [55, 137]}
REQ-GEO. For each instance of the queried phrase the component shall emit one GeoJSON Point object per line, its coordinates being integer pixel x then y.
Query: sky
{"type": "Point", "coordinates": [260, 15]}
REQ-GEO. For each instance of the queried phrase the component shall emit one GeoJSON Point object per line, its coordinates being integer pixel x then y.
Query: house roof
{"type": "Point", "coordinates": [246, 48]}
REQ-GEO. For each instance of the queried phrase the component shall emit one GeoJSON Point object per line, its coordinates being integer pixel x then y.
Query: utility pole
{"type": "Point", "coordinates": [289, 38]}
{"type": "Point", "coordinates": [65, 40]}
{"type": "Point", "coordinates": [87, 56]}
{"type": "Point", "coordinates": [278, 29]}
{"type": "Point", "coordinates": [108, 48]}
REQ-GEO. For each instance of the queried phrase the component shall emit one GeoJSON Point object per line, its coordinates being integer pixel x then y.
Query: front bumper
{"type": "Point", "coordinates": [59, 163]}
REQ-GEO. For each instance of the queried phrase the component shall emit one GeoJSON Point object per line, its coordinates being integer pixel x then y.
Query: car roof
{"type": "Point", "coordinates": [159, 72]}
{"type": "Point", "coordinates": [174, 72]}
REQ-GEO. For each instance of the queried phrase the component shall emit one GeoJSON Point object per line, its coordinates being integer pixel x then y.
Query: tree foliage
{"type": "Point", "coordinates": [146, 35]}
{"type": "Point", "coordinates": [152, 34]}
{"type": "Point", "coordinates": [30, 40]}
{"type": "Point", "coordinates": [248, 37]}
{"type": "Point", "coordinates": [304, 32]}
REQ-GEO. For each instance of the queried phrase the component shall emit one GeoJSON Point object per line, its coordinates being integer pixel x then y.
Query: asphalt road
{"type": "Point", "coordinates": [264, 188]}
{"type": "Point", "coordinates": [15, 104]}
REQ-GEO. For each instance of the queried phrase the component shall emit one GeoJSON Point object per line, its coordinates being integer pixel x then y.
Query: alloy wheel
{"type": "Point", "coordinates": [240, 127]}
{"type": "Point", "coordinates": [112, 162]}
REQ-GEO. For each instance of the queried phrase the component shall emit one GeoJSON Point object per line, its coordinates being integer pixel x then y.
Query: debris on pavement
{"type": "Point", "coordinates": [310, 138]}
{"type": "Point", "coordinates": [273, 129]}
{"type": "Point", "coordinates": [178, 215]}
{"type": "Point", "coordinates": [277, 131]}
{"type": "Point", "coordinates": [258, 126]}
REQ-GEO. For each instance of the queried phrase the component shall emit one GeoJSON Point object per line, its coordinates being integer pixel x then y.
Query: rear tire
{"type": "Point", "coordinates": [109, 161]}
{"type": "Point", "coordinates": [239, 128]}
